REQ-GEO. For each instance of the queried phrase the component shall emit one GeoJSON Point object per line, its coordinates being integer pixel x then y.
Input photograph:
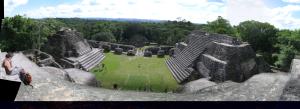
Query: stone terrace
{"type": "Point", "coordinates": [88, 60]}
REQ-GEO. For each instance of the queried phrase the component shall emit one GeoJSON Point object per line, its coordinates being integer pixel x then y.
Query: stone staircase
{"type": "Point", "coordinates": [178, 65]}
{"type": "Point", "coordinates": [90, 59]}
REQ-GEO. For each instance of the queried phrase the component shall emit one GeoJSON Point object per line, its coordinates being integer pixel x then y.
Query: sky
{"type": "Point", "coordinates": [284, 14]}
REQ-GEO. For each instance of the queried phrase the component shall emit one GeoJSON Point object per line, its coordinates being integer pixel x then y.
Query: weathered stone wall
{"type": "Point", "coordinates": [166, 49]}
{"type": "Point", "coordinates": [41, 58]}
{"type": "Point", "coordinates": [194, 35]}
{"type": "Point", "coordinates": [97, 44]}
{"type": "Point", "coordinates": [226, 58]}
{"type": "Point", "coordinates": [94, 44]}
{"type": "Point", "coordinates": [154, 50]}
{"type": "Point", "coordinates": [216, 69]}
{"type": "Point", "coordinates": [67, 43]}
{"type": "Point", "coordinates": [229, 62]}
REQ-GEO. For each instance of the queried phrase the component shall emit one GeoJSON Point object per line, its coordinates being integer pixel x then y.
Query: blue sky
{"type": "Point", "coordinates": [281, 13]}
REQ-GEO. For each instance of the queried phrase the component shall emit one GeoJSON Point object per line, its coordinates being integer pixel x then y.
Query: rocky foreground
{"type": "Point", "coordinates": [50, 86]}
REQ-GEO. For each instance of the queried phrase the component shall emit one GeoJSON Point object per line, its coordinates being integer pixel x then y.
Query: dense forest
{"type": "Point", "coordinates": [277, 46]}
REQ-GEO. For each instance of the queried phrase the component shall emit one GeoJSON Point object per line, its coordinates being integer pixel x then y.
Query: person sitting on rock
{"type": "Point", "coordinates": [7, 65]}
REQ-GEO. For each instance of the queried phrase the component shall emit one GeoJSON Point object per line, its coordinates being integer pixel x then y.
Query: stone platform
{"type": "Point", "coordinates": [49, 87]}
{"type": "Point", "coordinates": [82, 77]}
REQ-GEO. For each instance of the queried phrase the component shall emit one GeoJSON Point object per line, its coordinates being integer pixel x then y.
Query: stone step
{"type": "Point", "coordinates": [173, 71]}
{"type": "Point", "coordinates": [91, 57]}
{"type": "Point", "coordinates": [176, 71]}
{"type": "Point", "coordinates": [84, 57]}
{"type": "Point", "coordinates": [93, 63]}
{"type": "Point", "coordinates": [182, 60]}
{"type": "Point", "coordinates": [180, 68]}
{"type": "Point", "coordinates": [83, 52]}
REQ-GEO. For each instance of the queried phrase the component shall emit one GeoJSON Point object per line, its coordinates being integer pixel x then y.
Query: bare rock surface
{"type": "Point", "coordinates": [82, 77]}
{"type": "Point", "coordinates": [261, 87]}
{"type": "Point", "coordinates": [48, 87]}
{"type": "Point", "coordinates": [292, 88]}
{"type": "Point", "coordinates": [58, 73]}
{"type": "Point", "coordinates": [197, 85]}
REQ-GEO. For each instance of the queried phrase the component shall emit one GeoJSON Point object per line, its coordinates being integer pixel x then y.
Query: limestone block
{"type": "Point", "coordinates": [203, 70]}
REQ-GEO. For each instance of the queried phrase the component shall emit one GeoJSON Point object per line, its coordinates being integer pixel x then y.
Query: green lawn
{"type": "Point", "coordinates": [135, 73]}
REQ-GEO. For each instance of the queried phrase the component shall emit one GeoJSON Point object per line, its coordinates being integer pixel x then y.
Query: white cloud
{"type": "Point", "coordinates": [194, 10]}
{"type": "Point", "coordinates": [10, 5]}
{"type": "Point", "coordinates": [282, 17]}
{"type": "Point", "coordinates": [197, 11]}
{"type": "Point", "coordinates": [291, 1]}
{"type": "Point", "coordinates": [241, 10]}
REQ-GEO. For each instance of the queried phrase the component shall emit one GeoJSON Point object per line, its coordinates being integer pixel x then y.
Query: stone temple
{"type": "Point", "coordinates": [214, 56]}
{"type": "Point", "coordinates": [71, 50]}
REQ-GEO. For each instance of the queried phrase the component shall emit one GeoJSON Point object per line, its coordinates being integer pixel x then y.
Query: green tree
{"type": "Point", "coordinates": [261, 36]}
{"type": "Point", "coordinates": [104, 36]}
{"type": "Point", "coordinates": [221, 26]}
{"type": "Point", "coordinates": [17, 33]}
{"type": "Point", "coordinates": [287, 53]}
{"type": "Point", "coordinates": [288, 37]}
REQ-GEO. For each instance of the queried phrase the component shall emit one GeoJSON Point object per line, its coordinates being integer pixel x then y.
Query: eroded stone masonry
{"type": "Point", "coordinates": [214, 56]}
{"type": "Point", "coordinates": [71, 50]}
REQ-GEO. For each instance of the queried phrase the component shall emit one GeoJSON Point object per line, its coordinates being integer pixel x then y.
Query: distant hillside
{"type": "Point", "coordinates": [128, 20]}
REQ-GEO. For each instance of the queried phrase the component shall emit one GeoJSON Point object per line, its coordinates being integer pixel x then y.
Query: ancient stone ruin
{"type": "Point", "coordinates": [118, 51]}
{"type": "Point", "coordinates": [108, 46]}
{"type": "Point", "coordinates": [131, 53]}
{"type": "Point", "coordinates": [41, 58]}
{"type": "Point", "coordinates": [71, 50]}
{"type": "Point", "coordinates": [159, 50]}
{"type": "Point", "coordinates": [214, 56]}
{"type": "Point", "coordinates": [148, 54]}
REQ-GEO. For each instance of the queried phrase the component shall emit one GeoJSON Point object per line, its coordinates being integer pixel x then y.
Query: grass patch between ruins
{"type": "Point", "coordinates": [135, 73]}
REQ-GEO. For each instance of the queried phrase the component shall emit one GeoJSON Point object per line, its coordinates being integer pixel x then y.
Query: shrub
{"type": "Point", "coordinates": [147, 54]}
{"type": "Point", "coordinates": [118, 51]}
{"type": "Point", "coordinates": [106, 48]}
{"type": "Point", "coordinates": [104, 36]}
{"type": "Point", "coordinates": [161, 53]}
{"type": "Point", "coordinates": [285, 57]}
